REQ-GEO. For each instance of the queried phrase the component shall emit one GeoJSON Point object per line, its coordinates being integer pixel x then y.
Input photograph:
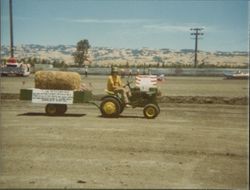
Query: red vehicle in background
{"type": "Point", "coordinates": [13, 68]}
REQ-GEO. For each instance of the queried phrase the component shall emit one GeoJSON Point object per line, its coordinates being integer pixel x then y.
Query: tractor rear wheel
{"type": "Point", "coordinates": [110, 107]}
{"type": "Point", "coordinates": [151, 111]}
{"type": "Point", "coordinates": [122, 106]}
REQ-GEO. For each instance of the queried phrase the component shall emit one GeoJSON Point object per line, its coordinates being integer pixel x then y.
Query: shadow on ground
{"type": "Point", "coordinates": [44, 114]}
{"type": "Point", "coordinates": [123, 116]}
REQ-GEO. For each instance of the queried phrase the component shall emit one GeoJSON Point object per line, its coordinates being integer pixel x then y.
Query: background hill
{"type": "Point", "coordinates": [104, 56]}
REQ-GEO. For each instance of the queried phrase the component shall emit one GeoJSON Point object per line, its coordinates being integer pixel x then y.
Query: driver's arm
{"type": "Point", "coordinates": [120, 84]}
{"type": "Point", "coordinates": [110, 84]}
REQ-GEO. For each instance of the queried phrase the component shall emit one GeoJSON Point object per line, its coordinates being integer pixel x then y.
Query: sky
{"type": "Point", "coordinates": [154, 24]}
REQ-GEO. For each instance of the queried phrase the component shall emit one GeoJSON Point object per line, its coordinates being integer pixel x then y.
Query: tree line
{"type": "Point", "coordinates": [33, 60]}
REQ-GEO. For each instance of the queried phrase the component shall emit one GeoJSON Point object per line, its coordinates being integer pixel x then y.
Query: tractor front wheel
{"type": "Point", "coordinates": [151, 111]}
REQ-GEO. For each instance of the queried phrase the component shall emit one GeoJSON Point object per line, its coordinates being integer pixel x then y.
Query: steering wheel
{"type": "Point", "coordinates": [128, 83]}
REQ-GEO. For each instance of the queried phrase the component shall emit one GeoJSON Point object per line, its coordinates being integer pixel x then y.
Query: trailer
{"type": "Point", "coordinates": [56, 101]}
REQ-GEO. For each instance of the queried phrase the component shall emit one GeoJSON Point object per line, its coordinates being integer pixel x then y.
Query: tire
{"type": "Point", "coordinates": [159, 110]}
{"type": "Point", "coordinates": [122, 108]}
{"type": "Point", "coordinates": [51, 109]}
{"type": "Point", "coordinates": [151, 111]}
{"type": "Point", "coordinates": [110, 107]}
{"type": "Point", "coordinates": [61, 109]}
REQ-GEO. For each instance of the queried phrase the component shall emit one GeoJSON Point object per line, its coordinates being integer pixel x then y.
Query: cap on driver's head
{"type": "Point", "coordinates": [114, 70]}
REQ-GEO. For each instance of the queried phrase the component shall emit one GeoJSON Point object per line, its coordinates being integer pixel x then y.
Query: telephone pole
{"type": "Point", "coordinates": [197, 32]}
{"type": "Point", "coordinates": [11, 30]}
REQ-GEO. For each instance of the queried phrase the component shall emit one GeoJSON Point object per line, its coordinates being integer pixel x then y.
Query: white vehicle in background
{"type": "Point", "coordinates": [236, 75]}
{"type": "Point", "coordinates": [161, 77]}
{"type": "Point", "coordinates": [13, 68]}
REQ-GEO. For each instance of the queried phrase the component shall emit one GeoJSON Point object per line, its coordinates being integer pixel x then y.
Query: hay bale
{"type": "Point", "coordinates": [57, 80]}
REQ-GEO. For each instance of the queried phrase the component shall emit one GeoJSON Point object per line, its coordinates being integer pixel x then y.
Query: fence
{"type": "Point", "coordinates": [165, 71]}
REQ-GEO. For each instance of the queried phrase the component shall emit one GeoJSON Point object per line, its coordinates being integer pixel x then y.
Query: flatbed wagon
{"type": "Point", "coordinates": [56, 100]}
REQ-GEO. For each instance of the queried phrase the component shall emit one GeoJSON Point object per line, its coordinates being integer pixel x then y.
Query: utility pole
{"type": "Point", "coordinates": [197, 32]}
{"type": "Point", "coordinates": [0, 34]}
{"type": "Point", "coordinates": [11, 30]}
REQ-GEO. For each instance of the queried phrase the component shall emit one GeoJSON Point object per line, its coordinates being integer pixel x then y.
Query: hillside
{"type": "Point", "coordinates": [103, 56]}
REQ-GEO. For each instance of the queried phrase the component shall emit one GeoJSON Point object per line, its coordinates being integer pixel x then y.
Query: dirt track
{"type": "Point", "coordinates": [191, 90]}
{"type": "Point", "coordinates": [187, 146]}
{"type": "Point", "coordinates": [172, 86]}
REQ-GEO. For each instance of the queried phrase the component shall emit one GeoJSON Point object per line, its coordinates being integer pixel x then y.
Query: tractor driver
{"type": "Point", "coordinates": [115, 85]}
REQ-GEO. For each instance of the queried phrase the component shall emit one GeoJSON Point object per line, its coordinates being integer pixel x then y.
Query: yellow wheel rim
{"type": "Point", "coordinates": [150, 112]}
{"type": "Point", "coordinates": [109, 108]}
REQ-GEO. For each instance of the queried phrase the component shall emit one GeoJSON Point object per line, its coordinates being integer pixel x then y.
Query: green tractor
{"type": "Point", "coordinates": [112, 105]}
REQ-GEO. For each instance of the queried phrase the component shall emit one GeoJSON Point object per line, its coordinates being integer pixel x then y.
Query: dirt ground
{"type": "Point", "coordinates": [186, 146]}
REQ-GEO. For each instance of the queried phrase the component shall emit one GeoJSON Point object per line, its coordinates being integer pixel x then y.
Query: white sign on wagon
{"type": "Point", "coordinates": [52, 96]}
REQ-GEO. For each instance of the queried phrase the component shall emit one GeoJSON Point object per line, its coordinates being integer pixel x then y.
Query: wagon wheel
{"type": "Point", "coordinates": [150, 111]}
{"type": "Point", "coordinates": [61, 109]}
{"type": "Point", "coordinates": [110, 107]}
{"type": "Point", "coordinates": [51, 109]}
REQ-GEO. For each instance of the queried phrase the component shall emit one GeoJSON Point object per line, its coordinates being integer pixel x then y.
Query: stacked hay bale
{"type": "Point", "coordinates": [57, 80]}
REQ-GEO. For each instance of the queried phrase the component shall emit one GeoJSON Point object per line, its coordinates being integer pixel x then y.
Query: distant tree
{"type": "Point", "coordinates": [3, 61]}
{"type": "Point", "coordinates": [158, 64]}
{"type": "Point", "coordinates": [63, 63]}
{"type": "Point", "coordinates": [22, 60]}
{"type": "Point", "coordinates": [34, 60]}
{"type": "Point", "coordinates": [30, 61]}
{"type": "Point", "coordinates": [44, 61]}
{"type": "Point", "coordinates": [80, 56]}
{"type": "Point", "coordinates": [55, 63]}
{"type": "Point", "coordinates": [157, 59]}
{"type": "Point", "coordinates": [127, 64]}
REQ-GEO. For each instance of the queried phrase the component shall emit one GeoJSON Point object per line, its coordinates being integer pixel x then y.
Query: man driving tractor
{"type": "Point", "coordinates": [120, 96]}
{"type": "Point", "coordinates": [115, 85]}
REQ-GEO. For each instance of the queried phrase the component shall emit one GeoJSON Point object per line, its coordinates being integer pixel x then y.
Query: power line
{"type": "Point", "coordinates": [197, 32]}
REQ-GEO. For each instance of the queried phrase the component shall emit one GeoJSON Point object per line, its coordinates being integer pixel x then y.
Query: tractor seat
{"type": "Point", "coordinates": [109, 92]}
